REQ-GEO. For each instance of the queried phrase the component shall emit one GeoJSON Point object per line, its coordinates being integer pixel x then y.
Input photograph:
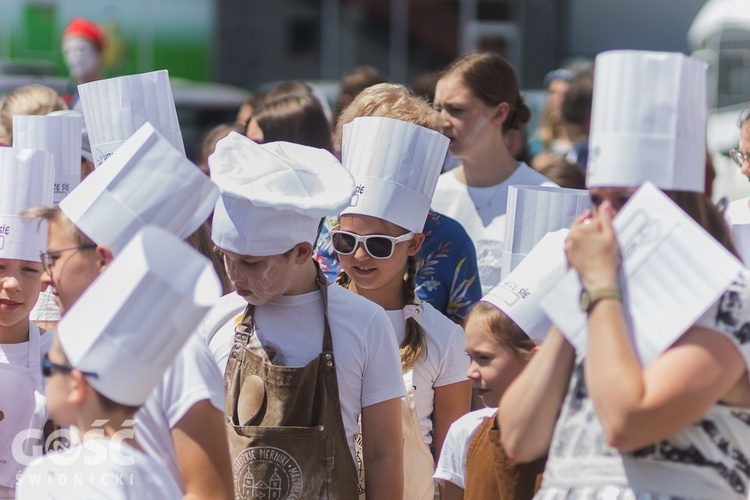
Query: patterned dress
{"type": "Point", "coordinates": [709, 459]}
{"type": "Point", "coordinates": [447, 275]}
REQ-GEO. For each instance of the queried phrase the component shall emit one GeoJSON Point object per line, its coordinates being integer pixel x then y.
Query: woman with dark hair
{"type": "Point", "coordinates": [297, 118]}
{"type": "Point", "coordinates": [480, 102]}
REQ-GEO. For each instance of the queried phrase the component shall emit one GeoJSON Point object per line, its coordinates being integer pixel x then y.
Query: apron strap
{"type": "Point", "coordinates": [244, 330]}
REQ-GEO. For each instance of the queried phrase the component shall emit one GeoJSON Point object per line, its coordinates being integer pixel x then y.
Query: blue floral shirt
{"type": "Point", "coordinates": [447, 275]}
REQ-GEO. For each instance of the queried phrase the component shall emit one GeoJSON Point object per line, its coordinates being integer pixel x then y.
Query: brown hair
{"type": "Point", "coordinates": [389, 100]}
{"type": "Point", "coordinates": [578, 100]}
{"type": "Point", "coordinates": [208, 145]}
{"type": "Point", "coordinates": [57, 216]}
{"type": "Point", "coordinates": [31, 99]}
{"type": "Point", "coordinates": [560, 171]}
{"type": "Point", "coordinates": [352, 84]}
{"type": "Point", "coordinates": [704, 212]}
{"type": "Point", "coordinates": [297, 118]}
{"type": "Point", "coordinates": [504, 329]}
{"type": "Point", "coordinates": [492, 80]}
{"type": "Point", "coordinates": [201, 241]}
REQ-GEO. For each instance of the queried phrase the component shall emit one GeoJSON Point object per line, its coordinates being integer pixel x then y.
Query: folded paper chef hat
{"type": "Point", "coordinates": [115, 108]}
{"type": "Point", "coordinates": [518, 295]}
{"type": "Point", "coordinates": [532, 212]}
{"type": "Point", "coordinates": [147, 181]}
{"type": "Point", "coordinates": [648, 121]}
{"type": "Point", "coordinates": [26, 177]}
{"type": "Point", "coordinates": [60, 135]}
{"type": "Point", "coordinates": [133, 320]}
{"type": "Point", "coordinates": [273, 195]}
{"type": "Point", "coordinates": [396, 166]}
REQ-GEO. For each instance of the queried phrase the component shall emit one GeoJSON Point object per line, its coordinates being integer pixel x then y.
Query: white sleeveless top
{"type": "Point", "coordinates": [709, 459]}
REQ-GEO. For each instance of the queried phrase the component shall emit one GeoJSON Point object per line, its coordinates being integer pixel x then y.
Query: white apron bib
{"type": "Point", "coordinates": [23, 413]}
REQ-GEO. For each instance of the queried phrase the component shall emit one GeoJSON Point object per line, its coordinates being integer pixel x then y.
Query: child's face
{"type": "Point", "coordinates": [259, 279]}
{"type": "Point", "coordinates": [20, 284]}
{"type": "Point", "coordinates": [493, 365]}
{"type": "Point", "coordinates": [367, 272]}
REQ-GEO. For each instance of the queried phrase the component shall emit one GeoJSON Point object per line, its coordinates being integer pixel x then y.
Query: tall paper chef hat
{"type": "Point", "coordinates": [146, 181]}
{"type": "Point", "coordinates": [26, 177]}
{"type": "Point", "coordinates": [532, 212]}
{"type": "Point", "coordinates": [518, 295]}
{"type": "Point", "coordinates": [133, 320]}
{"type": "Point", "coordinates": [60, 135]}
{"type": "Point", "coordinates": [648, 121]}
{"type": "Point", "coordinates": [115, 108]}
{"type": "Point", "coordinates": [273, 195]}
{"type": "Point", "coordinates": [396, 166]}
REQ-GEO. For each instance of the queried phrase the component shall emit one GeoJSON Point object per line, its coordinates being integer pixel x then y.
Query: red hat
{"type": "Point", "coordinates": [86, 29]}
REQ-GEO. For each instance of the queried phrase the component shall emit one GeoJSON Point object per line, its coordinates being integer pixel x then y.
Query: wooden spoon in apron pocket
{"type": "Point", "coordinates": [251, 399]}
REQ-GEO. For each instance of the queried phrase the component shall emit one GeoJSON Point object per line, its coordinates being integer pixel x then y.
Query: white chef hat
{"type": "Point", "coordinates": [396, 166]}
{"type": "Point", "coordinates": [133, 320]}
{"type": "Point", "coordinates": [26, 177]}
{"type": "Point", "coordinates": [532, 212]}
{"type": "Point", "coordinates": [115, 108]}
{"type": "Point", "coordinates": [59, 135]}
{"type": "Point", "coordinates": [648, 121]}
{"type": "Point", "coordinates": [273, 195]}
{"type": "Point", "coordinates": [147, 181]}
{"type": "Point", "coordinates": [518, 295]}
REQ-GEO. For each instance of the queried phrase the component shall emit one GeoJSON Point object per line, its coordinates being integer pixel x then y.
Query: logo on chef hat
{"type": "Point", "coordinates": [359, 190]}
{"type": "Point", "coordinates": [4, 231]}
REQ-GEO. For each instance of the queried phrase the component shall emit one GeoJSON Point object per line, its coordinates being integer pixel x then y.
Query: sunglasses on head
{"type": "Point", "coordinates": [48, 368]}
{"type": "Point", "coordinates": [379, 246]}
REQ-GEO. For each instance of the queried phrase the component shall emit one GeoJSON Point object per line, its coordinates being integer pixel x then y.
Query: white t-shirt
{"type": "Point", "coordinates": [98, 468]}
{"type": "Point", "coordinates": [481, 211]}
{"type": "Point", "coordinates": [445, 362]}
{"type": "Point", "coordinates": [191, 378]}
{"type": "Point", "coordinates": [452, 463]}
{"type": "Point", "coordinates": [368, 367]}
{"type": "Point", "coordinates": [18, 355]}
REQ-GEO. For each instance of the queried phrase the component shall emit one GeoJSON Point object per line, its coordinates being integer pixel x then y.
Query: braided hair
{"type": "Point", "coordinates": [415, 342]}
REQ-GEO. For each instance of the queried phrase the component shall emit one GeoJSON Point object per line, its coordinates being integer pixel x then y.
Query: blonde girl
{"type": "Point", "coordinates": [377, 241]}
{"type": "Point", "coordinates": [473, 464]}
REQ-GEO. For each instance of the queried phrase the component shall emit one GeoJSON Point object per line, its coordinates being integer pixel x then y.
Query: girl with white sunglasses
{"type": "Point", "coordinates": [396, 164]}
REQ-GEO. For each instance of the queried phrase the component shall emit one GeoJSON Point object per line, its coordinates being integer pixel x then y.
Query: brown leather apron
{"type": "Point", "coordinates": [286, 434]}
{"type": "Point", "coordinates": [491, 474]}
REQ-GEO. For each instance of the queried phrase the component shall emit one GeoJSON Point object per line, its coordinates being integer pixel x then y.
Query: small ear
{"type": "Point", "coordinates": [104, 256]}
{"type": "Point", "coordinates": [303, 252]}
{"type": "Point", "coordinates": [500, 113]}
{"type": "Point", "coordinates": [415, 244]}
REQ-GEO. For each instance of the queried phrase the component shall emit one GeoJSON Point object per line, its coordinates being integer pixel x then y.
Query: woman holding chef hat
{"type": "Point", "coordinates": [25, 180]}
{"type": "Point", "coordinates": [301, 359]}
{"type": "Point", "coordinates": [617, 420]}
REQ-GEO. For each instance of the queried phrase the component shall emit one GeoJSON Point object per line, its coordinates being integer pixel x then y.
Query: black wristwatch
{"type": "Point", "coordinates": [589, 298]}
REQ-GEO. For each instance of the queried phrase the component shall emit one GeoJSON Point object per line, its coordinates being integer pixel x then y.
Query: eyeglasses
{"type": "Point", "coordinates": [48, 368]}
{"type": "Point", "coordinates": [46, 257]}
{"type": "Point", "coordinates": [379, 246]}
{"type": "Point", "coordinates": [738, 157]}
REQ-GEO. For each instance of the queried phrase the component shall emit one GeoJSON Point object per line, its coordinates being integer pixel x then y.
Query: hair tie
{"type": "Point", "coordinates": [414, 310]}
